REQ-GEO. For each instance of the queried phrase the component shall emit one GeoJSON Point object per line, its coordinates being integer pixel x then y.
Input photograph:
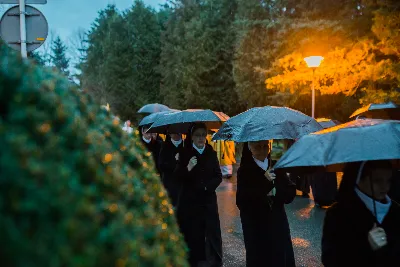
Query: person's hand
{"type": "Point", "coordinates": [377, 238]}
{"type": "Point", "coordinates": [177, 156]}
{"type": "Point", "coordinates": [192, 163]}
{"type": "Point", "coordinates": [270, 175]}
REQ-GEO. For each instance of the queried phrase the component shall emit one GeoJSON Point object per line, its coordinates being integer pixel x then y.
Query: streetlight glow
{"type": "Point", "coordinates": [313, 61]}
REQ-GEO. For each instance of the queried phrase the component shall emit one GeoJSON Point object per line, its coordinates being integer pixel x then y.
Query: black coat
{"type": "Point", "coordinates": [197, 209]}
{"type": "Point", "coordinates": [265, 225]}
{"type": "Point", "coordinates": [324, 187]}
{"type": "Point", "coordinates": [154, 147]}
{"type": "Point", "coordinates": [394, 192]}
{"type": "Point", "coordinates": [345, 235]}
{"type": "Point", "coordinates": [167, 163]}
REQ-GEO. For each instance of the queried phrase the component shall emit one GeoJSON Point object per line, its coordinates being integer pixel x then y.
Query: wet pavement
{"type": "Point", "coordinates": [305, 221]}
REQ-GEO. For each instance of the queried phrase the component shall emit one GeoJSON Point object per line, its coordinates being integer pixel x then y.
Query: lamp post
{"type": "Point", "coordinates": [313, 62]}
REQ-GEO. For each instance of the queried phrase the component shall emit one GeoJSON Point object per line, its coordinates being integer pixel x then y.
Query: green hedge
{"type": "Point", "coordinates": [74, 189]}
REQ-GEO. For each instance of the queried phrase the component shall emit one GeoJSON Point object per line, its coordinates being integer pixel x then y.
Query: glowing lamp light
{"type": "Point", "coordinates": [313, 61]}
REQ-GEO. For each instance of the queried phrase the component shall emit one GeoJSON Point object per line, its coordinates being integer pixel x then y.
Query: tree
{"type": "Point", "coordinates": [256, 24]}
{"type": "Point", "coordinates": [78, 46]}
{"type": "Point", "coordinates": [107, 63]}
{"type": "Point", "coordinates": [171, 62]}
{"type": "Point", "coordinates": [59, 57]}
{"type": "Point", "coordinates": [197, 56]}
{"type": "Point", "coordinates": [122, 59]}
{"type": "Point", "coordinates": [86, 194]}
{"type": "Point", "coordinates": [46, 48]}
{"type": "Point", "coordinates": [37, 57]}
{"type": "Point", "coordinates": [144, 29]}
{"type": "Point", "coordinates": [355, 63]}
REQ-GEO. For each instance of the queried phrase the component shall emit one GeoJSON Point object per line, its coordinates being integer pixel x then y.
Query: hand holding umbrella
{"type": "Point", "coordinates": [192, 163]}
{"type": "Point", "coordinates": [377, 238]}
{"type": "Point", "coordinates": [270, 175]}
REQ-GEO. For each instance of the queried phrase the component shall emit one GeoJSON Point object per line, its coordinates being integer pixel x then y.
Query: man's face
{"type": "Point", "coordinates": [260, 149]}
{"type": "Point", "coordinates": [380, 179]}
{"type": "Point", "coordinates": [199, 137]}
{"type": "Point", "coordinates": [147, 136]}
{"type": "Point", "coordinates": [176, 137]}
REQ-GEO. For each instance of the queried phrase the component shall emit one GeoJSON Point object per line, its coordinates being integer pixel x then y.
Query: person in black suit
{"type": "Point", "coordinates": [199, 174]}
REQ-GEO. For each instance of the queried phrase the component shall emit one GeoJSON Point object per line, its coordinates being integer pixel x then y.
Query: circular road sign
{"type": "Point", "coordinates": [36, 28]}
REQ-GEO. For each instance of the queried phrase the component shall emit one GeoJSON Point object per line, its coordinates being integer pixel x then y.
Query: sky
{"type": "Point", "coordinates": [65, 17]}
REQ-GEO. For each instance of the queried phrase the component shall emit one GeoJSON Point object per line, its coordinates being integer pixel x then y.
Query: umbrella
{"type": "Point", "coordinates": [330, 149]}
{"type": "Point", "coordinates": [180, 122]}
{"type": "Point", "coordinates": [379, 111]}
{"type": "Point", "coordinates": [327, 123]}
{"type": "Point", "coordinates": [150, 119]}
{"type": "Point", "coordinates": [153, 108]}
{"type": "Point", "coordinates": [266, 123]}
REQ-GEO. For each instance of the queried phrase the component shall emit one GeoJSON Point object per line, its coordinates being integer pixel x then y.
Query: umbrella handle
{"type": "Point", "coordinates": [373, 199]}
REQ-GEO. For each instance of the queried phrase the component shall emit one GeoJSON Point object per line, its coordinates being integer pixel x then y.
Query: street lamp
{"type": "Point", "coordinates": [313, 62]}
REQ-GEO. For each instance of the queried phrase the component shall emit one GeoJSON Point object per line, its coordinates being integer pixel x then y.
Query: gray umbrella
{"type": "Point", "coordinates": [379, 111]}
{"type": "Point", "coordinates": [266, 123]}
{"type": "Point", "coordinates": [180, 122]}
{"type": "Point", "coordinates": [327, 123]}
{"type": "Point", "coordinates": [150, 119]}
{"type": "Point", "coordinates": [359, 140]}
{"type": "Point", "coordinates": [153, 108]}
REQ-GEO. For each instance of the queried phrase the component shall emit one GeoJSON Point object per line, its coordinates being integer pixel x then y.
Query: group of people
{"type": "Point", "coordinates": [190, 172]}
{"type": "Point", "coordinates": [360, 229]}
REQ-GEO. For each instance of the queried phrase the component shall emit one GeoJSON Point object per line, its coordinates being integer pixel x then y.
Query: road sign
{"type": "Point", "coordinates": [28, 2]}
{"type": "Point", "coordinates": [36, 28]}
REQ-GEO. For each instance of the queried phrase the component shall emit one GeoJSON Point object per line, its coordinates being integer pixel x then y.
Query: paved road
{"type": "Point", "coordinates": [305, 223]}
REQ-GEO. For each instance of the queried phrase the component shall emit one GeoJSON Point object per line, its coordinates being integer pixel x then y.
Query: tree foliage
{"type": "Point", "coordinates": [197, 56]}
{"type": "Point", "coordinates": [356, 58]}
{"type": "Point", "coordinates": [59, 58]}
{"type": "Point", "coordinates": [229, 55]}
{"type": "Point", "coordinates": [37, 57]}
{"type": "Point", "coordinates": [74, 189]}
{"type": "Point", "coordinates": [121, 64]}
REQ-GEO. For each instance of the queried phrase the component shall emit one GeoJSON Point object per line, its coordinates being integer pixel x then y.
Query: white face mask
{"type": "Point", "coordinates": [176, 143]}
{"type": "Point", "coordinates": [146, 140]}
{"type": "Point", "coordinates": [200, 150]}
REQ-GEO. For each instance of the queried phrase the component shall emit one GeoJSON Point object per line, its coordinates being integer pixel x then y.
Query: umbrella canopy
{"type": "Point", "coordinates": [266, 123]}
{"type": "Point", "coordinates": [330, 149]}
{"type": "Point", "coordinates": [153, 108]}
{"type": "Point", "coordinates": [150, 119]}
{"type": "Point", "coordinates": [379, 111]}
{"type": "Point", "coordinates": [327, 123]}
{"type": "Point", "coordinates": [180, 122]}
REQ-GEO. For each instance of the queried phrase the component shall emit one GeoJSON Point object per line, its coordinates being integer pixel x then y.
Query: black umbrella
{"type": "Point", "coordinates": [150, 119]}
{"type": "Point", "coordinates": [356, 141]}
{"type": "Point", "coordinates": [389, 111]}
{"type": "Point", "coordinates": [180, 122]}
{"type": "Point", "coordinates": [332, 148]}
{"type": "Point", "coordinates": [153, 108]}
{"type": "Point", "coordinates": [266, 123]}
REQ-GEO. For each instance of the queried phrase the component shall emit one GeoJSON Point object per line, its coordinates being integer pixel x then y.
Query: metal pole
{"type": "Point", "coordinates": [313, 96]}
{"type": "Point", "coordinates": [22, 23]}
